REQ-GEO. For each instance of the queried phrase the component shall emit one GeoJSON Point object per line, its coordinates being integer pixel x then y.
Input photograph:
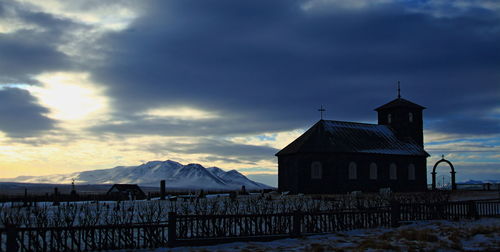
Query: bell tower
{"type": "Point", "coordinates": [404, 117]}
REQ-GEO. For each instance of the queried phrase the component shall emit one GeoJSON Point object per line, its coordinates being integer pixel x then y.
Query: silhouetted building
{"type": "Point", "coordinates": [126, 191]}
{"type": "Point", "coordinates": [338, 157]}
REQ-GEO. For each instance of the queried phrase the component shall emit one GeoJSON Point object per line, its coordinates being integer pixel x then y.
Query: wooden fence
{"type": "Point", "coordinates": [92, 238]}
{"type": "Point", "coordinates": [206, 229]}
{"type": "Point", "coordinates": [449, 210]}
{"type": "Point", "coordinates": [197, 230]}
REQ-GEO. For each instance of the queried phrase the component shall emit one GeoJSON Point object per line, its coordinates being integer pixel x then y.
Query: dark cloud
{"type": "Point", "coordinates": [474, 125]}
{"type": "Point", "coordinates": [218, 148]}
{"type": "Point", "coordinates": [34, 47]}
{"type": "Point", "coordinates": [20, 115]}
{"type": "Point", "coordinates": [224, 126]}
{"type": "Point", "coordinates": [269, 63]}
{"type": "Point", "coordinates": [210, 159]}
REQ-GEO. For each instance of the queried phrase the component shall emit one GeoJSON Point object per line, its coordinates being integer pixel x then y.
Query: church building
{"type": "Point", "coordinates": [339, 157]}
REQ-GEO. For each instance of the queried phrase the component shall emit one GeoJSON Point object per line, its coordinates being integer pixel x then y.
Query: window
{"type": "Point", "coordinates": [393, 174]}
{"type": "Point", "coordinates": [410, 117]}
{"type": "Point", "coordinates": [389, 118]}
{"type": "Point", "coordinates": [316, 170]}
{"type": "Point", "coordinates": [373, 171]}
{"type": "Point", "coordinates": [353, 173]}
{"type": "Point", "coordinates": [411, 172]}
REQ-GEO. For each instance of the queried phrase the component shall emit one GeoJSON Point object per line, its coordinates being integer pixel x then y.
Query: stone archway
{"type": "Point", "coordinates": [453, 184]}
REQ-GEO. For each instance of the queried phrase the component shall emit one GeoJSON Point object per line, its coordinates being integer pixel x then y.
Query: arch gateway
{"type": "Point", "coordinates": [453, 184]}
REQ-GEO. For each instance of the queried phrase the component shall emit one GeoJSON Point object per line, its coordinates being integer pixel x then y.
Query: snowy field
{"type": "Point", "coordinates": [155, 211]}
{"type": "Point", "coordinates": [466, 235]}
{"type": "Point", "coordinates": [478, 235]}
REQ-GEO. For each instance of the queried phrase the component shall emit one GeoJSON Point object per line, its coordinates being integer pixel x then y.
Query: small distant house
{"type": "Point", "coordinates": [339, 157]}
{"type": "Point", "coordinates": [126, 191]}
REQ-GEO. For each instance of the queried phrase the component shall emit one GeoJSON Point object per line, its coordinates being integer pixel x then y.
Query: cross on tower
{"type": "Point", "coordinates": [321, 110]}
{"type": "Point", "coordinates": [399, 91]}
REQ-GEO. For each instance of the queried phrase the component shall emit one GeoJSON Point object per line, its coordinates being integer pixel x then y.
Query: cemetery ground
{"type": "Point", "coordinates": [438, 235]}
{"type": "Point", "coordinates": [442, 220]}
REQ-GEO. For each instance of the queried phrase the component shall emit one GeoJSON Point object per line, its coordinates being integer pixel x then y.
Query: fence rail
{"type": "Point", "coordinates": [200, 229]}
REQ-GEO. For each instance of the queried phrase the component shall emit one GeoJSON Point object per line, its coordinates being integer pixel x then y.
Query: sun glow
{"type": "Point", "coordinates": [70, 96]}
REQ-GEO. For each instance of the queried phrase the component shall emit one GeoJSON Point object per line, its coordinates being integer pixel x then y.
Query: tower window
{"type": "Point", "coordinates": [389, 118]}
{"type": "Point", "coordinates": [316, 170]}
{"type": "Point", "coordinates": [373, 171]}
{"type": "Point", "coordinates": [410, 117]}
{"type": "Point", "coordinates": [411, 172]}
{"type": "Point", "coordinates": [393, 173]}
{"type": "Point", "coordinates": [353, 173]}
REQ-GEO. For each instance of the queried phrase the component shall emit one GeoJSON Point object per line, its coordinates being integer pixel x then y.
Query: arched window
{"type": "Point", "coordinates": [389, 118]}
{"type": "Point", "coordinates": [410, 117]}
{"type": "Point", "coordinates": [411, 172]}
{"type": "Point", "coordinates": [316, 170]}
{"type": "Point", "coordinates": [353, 170]}
{"type": "Point", "coordinates": [373, 171]}
{"type": "Point", "coordinates": [393, 173]}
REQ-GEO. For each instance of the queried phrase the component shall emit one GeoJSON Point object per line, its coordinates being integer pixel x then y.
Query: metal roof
{"type": "Point", "coordinates": [349, 137]}
{"type": "Point", "coordinates": [126, 187]}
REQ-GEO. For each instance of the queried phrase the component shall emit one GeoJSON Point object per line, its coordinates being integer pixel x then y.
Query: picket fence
{"type": "Point", "coordinates": [211, 229]}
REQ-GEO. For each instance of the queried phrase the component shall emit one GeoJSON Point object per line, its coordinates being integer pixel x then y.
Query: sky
{"type": "Point", "coordinates": [95, 84]}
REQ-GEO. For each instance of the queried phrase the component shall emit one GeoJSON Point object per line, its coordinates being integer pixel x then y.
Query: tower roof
{"type": "Point", "coordinates": [349, 137]}
{"type": "Point", "coordinates": [399, 102]}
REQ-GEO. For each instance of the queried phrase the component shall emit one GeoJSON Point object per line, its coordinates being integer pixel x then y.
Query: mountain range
{"type": "Point", "coordinates": [176, 175]}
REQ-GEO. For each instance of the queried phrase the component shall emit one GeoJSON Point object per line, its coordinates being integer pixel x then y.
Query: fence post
{"type": "Point", "coordinates": [437, 211]}
{"type": "Point", "coordinates": [162, 190]}
{"type": "Point", "coordinates": [296, 221]}
{"type": "Point", "coordinates": [172, 229]}
{"type": "Point", "coordinates": [11, 238]}
{"type": "Point", "coordinates": [472, 211]}
{"type": "Point", "coordinates": [56, 197]}
{"type": "Point", "coordinates": [395, 213]}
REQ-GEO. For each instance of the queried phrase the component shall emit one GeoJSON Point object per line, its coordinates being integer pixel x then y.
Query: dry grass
{"type": "Point", "coordinates": [425, 235]}
{"type": "Point", "coordinates": [484, 230]}
{"type": "Point", "coordinates": [377, 244]}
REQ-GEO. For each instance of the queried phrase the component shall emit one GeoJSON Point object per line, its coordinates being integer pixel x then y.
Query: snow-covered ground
{"type": "Point", "coordinates": [474, 195]}
{"type": "Point", "coordinates": [467, 235]}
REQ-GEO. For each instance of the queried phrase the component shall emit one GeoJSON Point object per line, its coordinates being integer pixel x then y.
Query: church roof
{"type": "Point", "coordinates": [349, 137]}
{"type": "Point", "coordinates": [125, 188]}
{"type": "Point", "coordinates": [399, 102]}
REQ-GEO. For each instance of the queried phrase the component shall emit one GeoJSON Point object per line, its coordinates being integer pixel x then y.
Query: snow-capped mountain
{"type": "Point", "coordinates": [177, 176]}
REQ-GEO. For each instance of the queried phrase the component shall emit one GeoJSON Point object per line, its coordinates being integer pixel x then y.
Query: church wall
{"type": "Point", "coordinates": [295, 173]}
{"type": "Point", "coordinates": [287, 174]}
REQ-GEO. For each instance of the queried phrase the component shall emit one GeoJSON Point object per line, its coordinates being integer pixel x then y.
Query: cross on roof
{"type": "Point", "coordinates": [321, 110]}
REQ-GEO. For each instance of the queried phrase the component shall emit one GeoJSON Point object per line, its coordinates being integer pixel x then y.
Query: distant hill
{"type": "Point", "coordinates": [177, 176]}
{"type": "Point", "coordinates": [491, 181]}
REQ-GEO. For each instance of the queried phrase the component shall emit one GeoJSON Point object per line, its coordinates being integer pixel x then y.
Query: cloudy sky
{"type": "Point", "coordinates": [96, 84]}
